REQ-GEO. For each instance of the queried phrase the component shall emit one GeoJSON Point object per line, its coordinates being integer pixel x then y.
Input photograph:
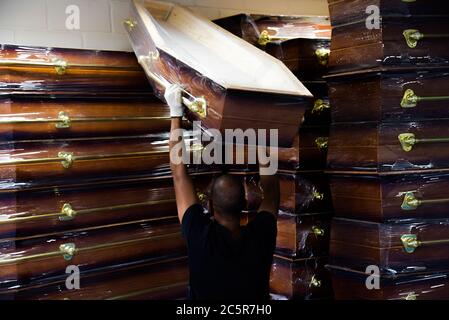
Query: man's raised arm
{"type": "Point", "coordinates": [184, 189]}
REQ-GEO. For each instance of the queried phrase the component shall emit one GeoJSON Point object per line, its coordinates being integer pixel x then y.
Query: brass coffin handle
{"type": "Point", "coordinates": [323, 56]}
{"type": "Point", "coordinates": [411, 100]}
{"type": "Point", "coordinates": [67, 212]}
{"type": "Point", "coordinates": [318, 195]}
{"type": "Point", "coordinates": [322, 143]}
{"type": "Point", "coordinates": [409, 140]}
{"type": "Point", "coordinates": [413, 36]}
{"type": "Point", "coordinates": [317, 231]}
{"type": "Point", "coordinates": [319, 106]}
{"type": "Point", "coordinates": [130, 24]}
{"type": "Point", "coordinates": [68, 250]}
{"type": "Point", "coordinates": [315, 282]}
{"type": "Point", "coordinates": [411, 203]}
{"type": "Point", "coordinates": [410, 242]}
{"type": "Point", "coordinates": [265, 38]}
{"type": "Point", "coordinates": [197, 105]}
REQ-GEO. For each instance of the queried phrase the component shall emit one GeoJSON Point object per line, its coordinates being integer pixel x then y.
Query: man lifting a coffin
{"type": "Point", "coordinates": [226, 261]}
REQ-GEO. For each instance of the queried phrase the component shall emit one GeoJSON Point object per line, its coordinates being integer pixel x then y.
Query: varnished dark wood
{"type": "Point", "coordinates": [358, 244]}
{"type": "Point", "coordinates": [292, 279]}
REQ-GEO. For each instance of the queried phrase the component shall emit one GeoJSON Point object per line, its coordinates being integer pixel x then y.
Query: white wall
{"type": "Point", "coordinates": [42, 22]}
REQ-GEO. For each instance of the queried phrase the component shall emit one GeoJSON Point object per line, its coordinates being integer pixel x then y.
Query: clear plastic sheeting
{"type": "Point", "coordinates": [403, 247]}
{"type": "Point", "coordinates": [43, 69]}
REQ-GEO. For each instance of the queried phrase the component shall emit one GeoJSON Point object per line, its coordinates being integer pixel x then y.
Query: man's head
{"type": "Point", "coordinates": [228, 197]}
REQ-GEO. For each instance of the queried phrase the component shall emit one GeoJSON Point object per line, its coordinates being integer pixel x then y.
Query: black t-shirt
{"type": "Point", "coordinates": [224, 268]}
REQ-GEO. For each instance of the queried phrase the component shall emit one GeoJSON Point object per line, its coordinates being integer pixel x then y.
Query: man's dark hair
{"type": "Point", "coordinates": [228, 195]}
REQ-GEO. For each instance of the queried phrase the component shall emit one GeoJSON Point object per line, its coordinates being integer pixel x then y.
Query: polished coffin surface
{"type": "Point", "coordinates": [40, 257]}
{"type": "Point", "coordinates": [399, 247]}
{"type": "Point", "coordinates": [29, 161]}
{"type": "Point", "coordinates": [303, 236]}
{"type": "Point", "coordinates": [219, 90]}
{"type": "Point", "coordinates": [150, 279]}
{"type": "Point", "coordinates": [389, 148]}
{"type": "Point", "coordinates": [26, 213]}
{"type": "Point", "coordinates": [389, 95]}
{"type": "Point", "coordinates": [304, 192]}
{"type": "Point", "coordinates": [351, 285]}
{"type": "Point", "coordinates": [301, 279]}
{"type": "Point", "coordinates": [301, 42]}
{"type": "Point", "coordinates": [51, 69]}
{"type": "Point", "coordinates": [383, 198]}
{"type": "Point", "coordinates": [346, 11]}
{"type": "Point", "coordinates": [24, 117]}
{"type": "Point", "coordinates": [400, 41]}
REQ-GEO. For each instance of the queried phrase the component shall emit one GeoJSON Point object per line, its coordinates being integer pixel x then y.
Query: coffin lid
{"type": "Point", "coordinates": [214, 52]}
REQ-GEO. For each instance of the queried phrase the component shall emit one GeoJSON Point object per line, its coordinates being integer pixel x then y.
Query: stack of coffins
{"type": "Point", "coordinates": [388, 152]}
{"type": "Point", "coordinates": [85, 189]}
{"type": "Point", "coordinates": [302, 43]}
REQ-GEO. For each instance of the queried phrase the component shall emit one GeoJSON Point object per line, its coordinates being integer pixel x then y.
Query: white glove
{"type": "Point", "coordinates": [174, 100]}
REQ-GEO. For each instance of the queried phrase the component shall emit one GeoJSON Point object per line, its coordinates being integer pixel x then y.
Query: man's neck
{"type": "Point", "coordinates": [233, 225]}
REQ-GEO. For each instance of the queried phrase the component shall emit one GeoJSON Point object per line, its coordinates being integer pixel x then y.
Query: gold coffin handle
{"type": "Point", "coordinates": [130, 24]}
{"type": "Point", "coordinates": [67, 250]}
{"type": "Point", "coordinates": [197, 105]}
{"type": "Point", "coordinates": [411, 203]}
{"type": "Point", "coordinates": [413, 36]}
{"type": "Point", "coordinates": [409, 140]}
{"type": "Point", "coordinates": [318, 195]}
{"type": "Point", "coordinates": [322, 143]}
{"type": "Point", "coordinates": [315, 282]}
{"type": "Point", "coordinates": [67, 212]}
{"type": "Point", "coordinates": [319, 106]}
{"type": "Point", "coordinates": [411, 100]}
{"type": "Point", "coordinates": [317, 231]}
{"type": "Point", "coordinates": [323, 56]}
{"type": "Point", "coordinates": [410, 242]}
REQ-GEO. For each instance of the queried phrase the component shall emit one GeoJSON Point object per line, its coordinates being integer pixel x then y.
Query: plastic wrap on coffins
{"type": "Point", "coordinates": [303, 236]}
{"type": "Point", "coordinates": [347, 11]}
{"type": "Point", "coordinates": [36, 258]}
{"type": "Point", "coordinates": [301, 42]}
{"type": "Point", "coordinates": [389, 95]}
{"type": "Point", "coordinates": [301, 279]}
{"type": "Point", "coordinates": [44, 69]}
{"type": "Point", "coordinates": [27, 213]}
{"type": "Point", "coordinates": [383, 198]}
{"type": "Point", "coordinates": [61, 116]}
{"type": "Point", "coordinates": [394, 248]}
{"type": "Point", "coordinates": [354, 285]}
{"type": "Point", "coordinates": [148, 279]}
{"type": "Point", "coordinates": [48, 161]}
{"type": "Point", "coordinates": [389, 147]}
{"type": "Point", "coordinates": [304, 192]}
{"type": "Point", "coordinates": [220, 97]}
{"type": "Point", "coordinates": [398, 41]}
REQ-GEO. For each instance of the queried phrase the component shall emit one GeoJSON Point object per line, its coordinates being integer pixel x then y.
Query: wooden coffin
{"type": "Point", "coordinates": [383, 198]}
{"type": "Point", "coordinates": [303, 236]}
{"type": "Point", "coordinates": [351, 285]}
{"type": "Point", "coordinates": [301, 279]}
{"type": "Point", "coordinates": [308, 152]}
{"type": "Point", "coordinates": [399, 247]}
{"type": "Point", "coordinates": [346, 11]}
{"type": "Point", "coordinates": [49, 117]}
{"type": "Point", "coordinates": [389, 148]}
{"type": "Point", "coordinates": [228, 82]}
{"type": "Point", "coordinates": [26, 213]}
{"type": "Point", "coordinates": [400, 41]}
{"type": "Point", "coordinates": [71, 159]}
{"type": "Point", "coordinates": [51, 69]}
{"type": "Point", "coordinates": [150, 279]}
{"type": "Point", "coordinates": [45, 256]}
{"type": "Point", "coordinates": [301, 42]}
{"type": "Point", "coordinates": [304, 192]}
{"type": "Point", "coordinates": [389, 95]}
